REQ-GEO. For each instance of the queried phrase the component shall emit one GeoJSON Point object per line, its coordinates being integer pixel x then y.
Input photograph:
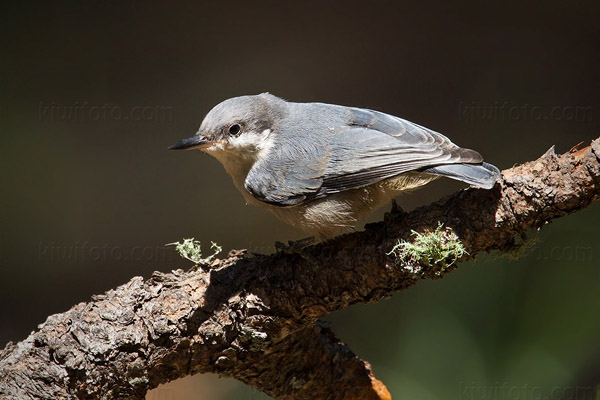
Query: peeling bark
{"type": "Point", "coordinates": [255, 318]}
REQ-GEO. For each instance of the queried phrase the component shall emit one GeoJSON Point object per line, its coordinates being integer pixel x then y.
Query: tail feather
{"type": "Point", "coordinates": [482, 175]}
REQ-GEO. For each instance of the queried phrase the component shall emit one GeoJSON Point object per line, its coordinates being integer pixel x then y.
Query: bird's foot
{"type": "Point", "coordinates": [294, 247]}
{"type": "Point", "coordinates": [396, 209]}
{"type": "Point", "coordinates": [298, 247]}
{"type": "Point", "coordinates": [394, 213]}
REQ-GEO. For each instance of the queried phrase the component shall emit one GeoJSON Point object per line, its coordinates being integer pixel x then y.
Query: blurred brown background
{"type": "Point", "coordinates": [93, 93]}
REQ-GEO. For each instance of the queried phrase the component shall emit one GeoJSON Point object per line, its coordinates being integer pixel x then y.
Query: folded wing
{"type": "Point", "coordinates": [370, 147]}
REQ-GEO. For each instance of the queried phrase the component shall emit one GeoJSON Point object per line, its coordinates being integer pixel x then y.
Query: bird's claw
{"type": "Point", "coordinates": [298, 247]}
{"type": "Point", "coordinates": [294, 247]}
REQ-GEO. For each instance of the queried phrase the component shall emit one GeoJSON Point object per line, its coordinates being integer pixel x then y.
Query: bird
{"type": "Point", "coordinates": [322, 167]}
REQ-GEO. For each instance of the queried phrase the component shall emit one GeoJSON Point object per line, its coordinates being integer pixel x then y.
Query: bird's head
{"type": "Point", "coordinates": [240, 126]}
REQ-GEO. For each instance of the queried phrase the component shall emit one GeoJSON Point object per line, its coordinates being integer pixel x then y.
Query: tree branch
{"type": "Point", "coordinates": [253, 318]}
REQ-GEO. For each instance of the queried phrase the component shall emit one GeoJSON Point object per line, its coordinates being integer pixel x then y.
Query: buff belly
{"type": "Point", "coordinates": [338, 213]}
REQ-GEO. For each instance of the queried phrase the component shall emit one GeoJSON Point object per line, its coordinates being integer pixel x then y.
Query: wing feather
{"type": "Point", "coordinates": [370, 147]}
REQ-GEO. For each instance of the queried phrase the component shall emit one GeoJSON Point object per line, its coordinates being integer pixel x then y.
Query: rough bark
{"type": "Point", "coordinates": [255, 318]}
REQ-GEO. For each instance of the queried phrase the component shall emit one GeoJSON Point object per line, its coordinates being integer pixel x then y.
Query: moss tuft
{"type": "Point", "coordinates": [438, 249]}
{"type": "Point", "coordinates": [191, 249]}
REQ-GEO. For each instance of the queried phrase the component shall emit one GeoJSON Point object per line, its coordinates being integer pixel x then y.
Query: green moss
{"type": "Point", "coordinates": [191, 249]}
{"type": "Point", "coordinates": [438, 249]}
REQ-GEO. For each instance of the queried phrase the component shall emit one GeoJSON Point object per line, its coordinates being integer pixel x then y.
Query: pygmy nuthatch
{"type": "Point", "coordinates": [321, 167]}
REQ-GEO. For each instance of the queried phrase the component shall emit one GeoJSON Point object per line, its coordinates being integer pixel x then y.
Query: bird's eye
{"type": "Point", "coordinates": [235, 129]}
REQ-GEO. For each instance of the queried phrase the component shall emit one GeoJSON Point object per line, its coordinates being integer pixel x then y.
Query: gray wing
{"type": "Point", "coordinates": [370, 147]}
{"type": "Point", "coordinates": [284, 178]}
{"type": "Point", "coordinates": [378, 146]}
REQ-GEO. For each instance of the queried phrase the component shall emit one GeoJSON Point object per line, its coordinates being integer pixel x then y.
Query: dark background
{"type": "Point", "coordinates": [93, 93]}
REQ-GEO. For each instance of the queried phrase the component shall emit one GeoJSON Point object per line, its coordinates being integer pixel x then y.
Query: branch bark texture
{"type": "Point", "coordinates": [255, 318]}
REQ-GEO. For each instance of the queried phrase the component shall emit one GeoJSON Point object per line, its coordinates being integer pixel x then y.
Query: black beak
{"type": "Point", "coordinates": [189, 143]}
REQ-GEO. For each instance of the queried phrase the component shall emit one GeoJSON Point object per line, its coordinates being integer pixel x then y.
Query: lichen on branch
{"type": "Point", "coordinates": [437, 250]}
{"type": "Point", "coordinates": [191, 250]}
